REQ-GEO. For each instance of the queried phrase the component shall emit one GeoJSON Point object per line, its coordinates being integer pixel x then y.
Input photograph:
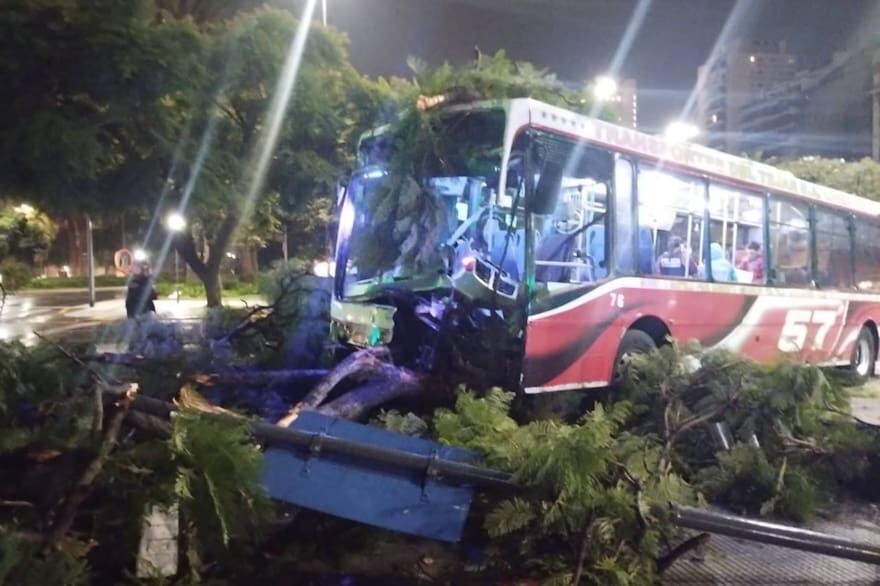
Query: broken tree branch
{"type": "Point", "coordinates": [259, 378]}
{"type": "Point", "coordinates": [682, 548]}
{"type": "Point", "coordinates": [98, 415]}
{"type": "Point", "coordinates": [396, 382]}
{"type": "Point", "coordinates": [96, 376]}
{"type": "Point", "coordinates": [65, 517]}
{"type": "Point", "coordinates": [362, 362]}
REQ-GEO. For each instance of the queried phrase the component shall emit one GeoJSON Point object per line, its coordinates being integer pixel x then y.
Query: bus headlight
{"type": "Point", "coordinates": [324, 269]}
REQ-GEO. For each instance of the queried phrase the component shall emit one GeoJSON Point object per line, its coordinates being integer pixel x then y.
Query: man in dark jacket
{"type": "Point", "coordinates": [140, 296]}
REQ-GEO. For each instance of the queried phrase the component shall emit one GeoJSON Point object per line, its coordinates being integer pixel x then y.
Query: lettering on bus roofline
{"type": "Point", "coordinates": [699, 158]}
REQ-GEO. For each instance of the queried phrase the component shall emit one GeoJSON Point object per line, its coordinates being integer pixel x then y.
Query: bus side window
{"type": "Point", "coordinates": [833, 254]}
{"type": "Point", "coordinates": [867, 255]}
{"type": "Point", "coordinates": [623, 229]}
{"type": "Point", "coordinates": [571, 212]}
{"type": "Point", "coordinates": [790, 242]}
{"type": "Point", "coordinates": [737, 235]}
{"type": "Point", "coordinates": [671, 210]}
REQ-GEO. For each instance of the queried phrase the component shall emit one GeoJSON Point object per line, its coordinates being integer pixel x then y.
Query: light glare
{"type": "Point", "coordinates": [175, 222]}
{"type": "Point", "coordinates": [605, 88]}
{"type": "Point", "coordinates": [679, 131]}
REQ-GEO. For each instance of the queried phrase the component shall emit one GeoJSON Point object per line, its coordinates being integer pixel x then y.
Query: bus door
{"type": "Point", "coordinates": [570, 220]}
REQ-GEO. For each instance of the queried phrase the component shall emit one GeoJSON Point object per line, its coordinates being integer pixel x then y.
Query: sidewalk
{"type": "Point", "coordinates": [83, 290]}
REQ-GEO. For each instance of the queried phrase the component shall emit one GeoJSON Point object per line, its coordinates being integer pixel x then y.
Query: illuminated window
{"type": "Point", "coordinates": [671, 210]}
{"type": "Point", "coordinates": [867, 255]}
{"type": "Point", "coordinates": [737, 233]}
{"type": "Point", "coordinates": [573, 204]}
{"type": "Point", "coordinates": [790, 243]}
{"type": "Point", "coordinates": [833, 264]}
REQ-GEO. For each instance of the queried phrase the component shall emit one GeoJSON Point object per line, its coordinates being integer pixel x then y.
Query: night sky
{"type": "Point", "coordinates": [578, 38]}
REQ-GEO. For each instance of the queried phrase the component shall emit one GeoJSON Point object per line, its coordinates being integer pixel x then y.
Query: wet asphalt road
{"type": "Point", "coordinates": [58, 311]}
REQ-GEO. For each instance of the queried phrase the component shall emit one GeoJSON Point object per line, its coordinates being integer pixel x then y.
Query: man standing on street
{"type": "Point", "coordinates": [140, 296]}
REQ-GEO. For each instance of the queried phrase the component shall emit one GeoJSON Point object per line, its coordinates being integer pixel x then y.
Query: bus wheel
{"type": "Point", "coordinates": [864, 355]}
{"type": "Point", "coordinates": [633, 342]}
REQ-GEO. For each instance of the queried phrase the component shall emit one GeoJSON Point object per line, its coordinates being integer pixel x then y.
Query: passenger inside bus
{"type": "Point", "coordinates": [752, 262]}
{"type": "Point", "coordinates": [676, 261]}
{"type": "Point", "coordinates": [722, 270]}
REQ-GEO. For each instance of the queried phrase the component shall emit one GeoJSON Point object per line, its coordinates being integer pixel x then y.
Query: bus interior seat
{"type": "Point", "coordinates": [553, 247]}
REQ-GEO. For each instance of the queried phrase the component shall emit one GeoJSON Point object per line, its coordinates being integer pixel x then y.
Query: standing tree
{"type": "Point", "coordinates": [328, 105]}
{"type": "Point", "coordinates": [93, 97]}
{"type": "Point", "coordinates": [859, 177]}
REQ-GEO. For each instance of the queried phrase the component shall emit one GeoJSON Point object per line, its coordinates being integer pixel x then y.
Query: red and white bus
{"type": "Point", "coordinates": [538, 246]}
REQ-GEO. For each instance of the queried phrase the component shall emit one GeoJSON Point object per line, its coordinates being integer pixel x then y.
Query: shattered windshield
{"type": "Point", "coordinates": [423, 187]}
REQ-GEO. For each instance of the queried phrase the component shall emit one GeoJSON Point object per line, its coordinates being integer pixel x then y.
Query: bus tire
{"type": "Point", "coordinates": [864, 355]}
{"type": "Point", "coordinates": [633, 342]}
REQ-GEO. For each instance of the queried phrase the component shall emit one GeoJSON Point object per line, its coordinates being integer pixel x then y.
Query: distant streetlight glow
{"type": "Point", "coordinates": [175, 222]}
{"type": "Point", "coordinates": [604, 88]}
{"type": "Point", "coordinates": [679, 131]}
{"type": "Point", "coordinates": [140, 255]}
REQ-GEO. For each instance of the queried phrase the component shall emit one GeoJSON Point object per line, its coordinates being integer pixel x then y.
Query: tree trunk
{"type": "Point", "coordinates": [77, 245]}
{"type": "Point", "coordinates": [213, 286]}
{"type": "Point", "coordinates": [247, 264]}
{"type": "Point", "coordinates": [358, 402]}
{"type": "Point", "coordinates": [207, 266]}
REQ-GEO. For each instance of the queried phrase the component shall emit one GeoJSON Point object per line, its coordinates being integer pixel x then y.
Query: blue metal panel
{"type": "Point", "coordinates": [383, 496]}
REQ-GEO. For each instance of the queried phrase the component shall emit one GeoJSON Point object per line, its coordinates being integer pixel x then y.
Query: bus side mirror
{"type": "Point", "coordinates": [547, 189]}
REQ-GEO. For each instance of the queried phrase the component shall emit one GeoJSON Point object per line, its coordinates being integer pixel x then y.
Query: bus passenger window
{"type": "Point", "coordinates": [833, 259]}
{"type": "Point", "coordinates": [867, 255]}
{"type": "Point", "coordinates": [671, 218]}
{"type": "Point", "coordinates": [570, 242]}
{"type": "Point", "coordinates": [737, 229]}
{"type": "Point", "coordinates": [790, 243]}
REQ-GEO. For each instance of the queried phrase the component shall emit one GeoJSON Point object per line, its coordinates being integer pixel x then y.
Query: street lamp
{"type": "Point", "coordinates": [679, 131]}
{"type": "Point", "coordinates": [605, 88]}
{"type": "Point", "coordinates": [139, 255]}
{"type": "Point", "coordinates": [176, 223]}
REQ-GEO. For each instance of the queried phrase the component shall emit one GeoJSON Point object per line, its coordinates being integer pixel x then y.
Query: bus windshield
{"type": "Point", "coordinates": [418, 187]}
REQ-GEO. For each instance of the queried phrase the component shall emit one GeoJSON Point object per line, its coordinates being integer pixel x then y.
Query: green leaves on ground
{"type": "Point", "coordinates": [809, 447]}
{"type": "Point", "coordinates": [589, 488]}
{"type": "Point", "coordinates": [218, 479]}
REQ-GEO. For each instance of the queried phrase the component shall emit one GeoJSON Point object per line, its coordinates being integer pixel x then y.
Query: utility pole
{"type": "Point", "coordinates": [284, 242]}
{"type": "Point", "coordinates": [90, 253]}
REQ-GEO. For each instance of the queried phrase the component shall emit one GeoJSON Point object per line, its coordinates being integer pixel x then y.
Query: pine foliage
{"type": "Point", "coordinates": [585, 514]}
{"type": "Point", "coordinates": [795, 443]}
{"type": "Point", "coordinates": [218, 480]}
{"type": "Point", "coordinates": [21, 563]}
{"type": "Point", "coordinates": [37, 397]}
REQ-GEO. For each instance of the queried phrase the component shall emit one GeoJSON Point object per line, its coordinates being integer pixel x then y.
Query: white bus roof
{"type": "Point", "coordinates": [691, 157]}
